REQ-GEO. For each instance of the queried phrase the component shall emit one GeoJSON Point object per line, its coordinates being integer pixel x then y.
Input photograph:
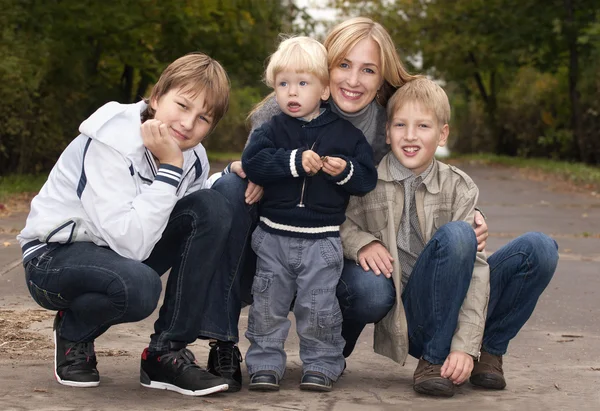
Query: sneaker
{"type": "Point", "coordinates": [224, 361]}
{"type": "Point", "coordinates": [74, 362]}
{"type": "Point", "coordinates": [177, 371]}
{"type": "Point", "coordinates": [487, 372]}
{"type": "Point", "coordinates": [264, 381]}
{"type": "Point", "coordinates": [315, 381]}
{"type": "Point", "coordinates": [428, 380]}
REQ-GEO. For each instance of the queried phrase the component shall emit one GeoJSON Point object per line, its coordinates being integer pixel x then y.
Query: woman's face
{"type": "Point", "coordinates": [355, 80]}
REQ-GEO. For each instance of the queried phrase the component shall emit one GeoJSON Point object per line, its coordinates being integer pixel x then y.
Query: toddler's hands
{"type": "Point", "coordinates": [162, 145]}
{"type": "Point", "coordinates": [311, 162]}
{"type": "Point", "coordinates": [334, 166]}
{"type": "Point", "coordinates": [374, 256]}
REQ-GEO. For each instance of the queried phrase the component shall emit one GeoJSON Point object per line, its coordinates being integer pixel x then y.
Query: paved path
{"type": "Point", "coordinates": [554, 363]}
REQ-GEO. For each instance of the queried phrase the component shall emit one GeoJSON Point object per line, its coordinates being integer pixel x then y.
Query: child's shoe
{"type": "Point", "coordinates": [74, 362]}
{"type": "Point", "coordinates": [177, 371]}
{"type": "Point", "coordinates": [264, 380]}
{"type": "Point", "coordinates": [488, 373]}
{"type": "Point", "coordinates": [429, 381]}
{"type": "Point", "coordinates": [315, 381]}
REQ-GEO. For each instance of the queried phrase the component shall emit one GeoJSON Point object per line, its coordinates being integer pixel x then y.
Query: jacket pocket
{"type": "Point", "coordinates": [377, 220]}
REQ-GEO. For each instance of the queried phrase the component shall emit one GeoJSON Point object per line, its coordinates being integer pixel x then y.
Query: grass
{"type": "Point", "coordinates": [224, 156]}
{"type": "Point", "coordinates": [16, 184]}
{"type": "Point", "coordinates": [577, 173]}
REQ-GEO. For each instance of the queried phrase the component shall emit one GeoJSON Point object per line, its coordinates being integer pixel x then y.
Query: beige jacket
{"type": "Point", "coordinates": [447, 194]}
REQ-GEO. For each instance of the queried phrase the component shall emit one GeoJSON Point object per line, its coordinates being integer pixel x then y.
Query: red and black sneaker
{"type": "Point", "coordinates": [74, 362]}
{"type": "Point", "coordinates": [177, 371]}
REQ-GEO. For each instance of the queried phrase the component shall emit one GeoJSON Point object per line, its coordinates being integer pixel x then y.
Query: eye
{"type": "Point", "coordinates": [303, 83]}
{"type": "Point", "coordinates": [399, 124]}
{"type": "Point", "coordinates": [424, 125]}
{"type": "Point", "coordinates": [183, 106]}
{"type": "Point", "coordinates": [283, 84]}
{"type": "Point", "coordinates": [369, 71]}
{"type": "Point", "coordinates": [344, 65]}
{"type": "Point", "coordinates": [204, 119]}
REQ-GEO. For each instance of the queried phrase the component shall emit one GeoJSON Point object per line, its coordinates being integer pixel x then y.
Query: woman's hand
{"type": "Point", "coordinates": [162, 145]}
{"type": "Point", "coordinates": [374, 256]}
{"type": "Point", "coordinates": [254, 192]}
{"type": "Point", "coordinates": [481, 230]}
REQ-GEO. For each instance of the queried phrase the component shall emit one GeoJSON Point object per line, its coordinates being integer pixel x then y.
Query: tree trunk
{"type": "Point", "coordinates": [578, 147]}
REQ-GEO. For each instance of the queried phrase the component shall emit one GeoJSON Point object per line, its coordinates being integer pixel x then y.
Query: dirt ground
{"type": "Point", "coordinates": [553, 364]}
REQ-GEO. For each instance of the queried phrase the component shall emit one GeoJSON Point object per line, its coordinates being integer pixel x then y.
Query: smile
{"type": "Point", "coordinates": [351, 94]}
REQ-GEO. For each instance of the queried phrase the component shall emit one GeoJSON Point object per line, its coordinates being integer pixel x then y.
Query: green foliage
{"type": "Point", "coordinates": [62, 59]}
{"type": "Point", "coordinates": [522, 74]}
{"type": "Point", "coordinates": [20, 183]}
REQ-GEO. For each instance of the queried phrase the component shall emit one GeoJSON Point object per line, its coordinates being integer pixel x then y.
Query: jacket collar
{"type": "Point", "coordinates": [431, 182]}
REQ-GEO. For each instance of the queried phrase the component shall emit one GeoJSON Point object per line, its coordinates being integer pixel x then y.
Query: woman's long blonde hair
{"type": "Point", "coordinates": [346, 35]}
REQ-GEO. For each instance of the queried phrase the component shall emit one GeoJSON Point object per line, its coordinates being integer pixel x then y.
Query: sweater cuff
{"type": "Point", "coordinates": [296, 168]}
{"type": "Point", "coordinates": [169, 174]}
{"type": "Point", "coordinates": [345, 175]}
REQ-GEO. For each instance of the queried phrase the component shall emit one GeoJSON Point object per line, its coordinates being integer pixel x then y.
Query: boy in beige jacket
{"type": "Point", "coordinates": [415, 227]}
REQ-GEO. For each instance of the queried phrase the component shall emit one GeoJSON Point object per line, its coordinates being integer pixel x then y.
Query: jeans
{"type": "Point", "coordinates": [519, 273]}
{"type": "Point", "coordinates": [98, 288]}
{"type": "Point", "coordinates": [309, 268]}
{"type": "Point", "coordinates": [238, 265]}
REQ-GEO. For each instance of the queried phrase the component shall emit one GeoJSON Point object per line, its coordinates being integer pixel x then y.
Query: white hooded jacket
{"type": "Point", "coordinates": [107, 189]}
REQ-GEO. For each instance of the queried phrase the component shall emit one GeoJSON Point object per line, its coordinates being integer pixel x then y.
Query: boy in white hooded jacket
{"type": "Point", "coordinates": [123, 205]}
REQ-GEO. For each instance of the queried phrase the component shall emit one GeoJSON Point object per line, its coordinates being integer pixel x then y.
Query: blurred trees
{"type": "Point", "coordinates": [523, 75]}
{"type": "Point", "coordinates": [62, 59]}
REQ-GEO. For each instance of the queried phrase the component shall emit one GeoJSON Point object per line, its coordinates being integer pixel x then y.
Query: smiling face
{"type": "Point", "coordinates": [354, 81]}
{"type": "Point", "coordinates": [185, 115]}
{"type": "Point", "coordinates": [414, 133]}
{"type": "Point", "coordinates": [299, 95]}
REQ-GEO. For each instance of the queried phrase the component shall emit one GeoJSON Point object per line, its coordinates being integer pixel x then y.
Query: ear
{"type": "Point", "coordinates": [444, 132]}
{"type": "Point", "coordinates": [154, 103]}
{"type": "Point", "coordinates": [325, 93]}
{"type": "Point", "coordinates": [388, 140]}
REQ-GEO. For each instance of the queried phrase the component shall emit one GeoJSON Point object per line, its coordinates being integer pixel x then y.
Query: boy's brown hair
{"type": "Point", "coordinates": [423, 91]}
{"type": "Point", "coordinates": [195, 73]}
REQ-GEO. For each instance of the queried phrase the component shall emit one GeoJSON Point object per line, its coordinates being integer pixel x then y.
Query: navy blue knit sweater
{"type": "Point", "coordinates": [295, 204]}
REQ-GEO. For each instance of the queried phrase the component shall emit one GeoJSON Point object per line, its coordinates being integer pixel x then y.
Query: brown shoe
{"type": "Point", "coordinates": [487, 372]}
{"type": "Point", "coordinates": [428, 380]}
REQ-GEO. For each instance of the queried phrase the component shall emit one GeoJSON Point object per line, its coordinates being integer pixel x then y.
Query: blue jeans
{"type": "Point", "coordinates": [98, 288]}
{"type": "Point", "coordinates": [519, 273]}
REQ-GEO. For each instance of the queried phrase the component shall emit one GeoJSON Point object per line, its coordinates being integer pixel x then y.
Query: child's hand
{"type": "Point", "coordinates": [374, 256]}
{"type": "Point", "coordinates": [481, 230]}
{"type": "Point", "coordinates": [311, 162]}
{"type": "Point", "coordinates": [334, 165]}
{"type": "Point", "coordinates": [162, 145]}
{"type": "Point", "coordinates": [457, 367]}
{"type": "Point", "coordinates": [254, 193]}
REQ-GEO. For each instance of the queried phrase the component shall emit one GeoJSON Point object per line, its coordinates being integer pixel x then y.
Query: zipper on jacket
{"type": "Point", "coordinates": [301, 204]}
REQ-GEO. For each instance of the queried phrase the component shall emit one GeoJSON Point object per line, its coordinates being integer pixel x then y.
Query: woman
{"type": "Point", "coordinates": [364, 71]}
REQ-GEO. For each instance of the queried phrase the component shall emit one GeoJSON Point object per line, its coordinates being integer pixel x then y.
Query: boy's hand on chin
{"type": "Point", "coordinates": [375, 257]}
{"type": "Point", "coordinates": [334, 166]}
{"type": "Point", "coordinates": [162, 145]}
{"type": "Point", "coordinates": [457, 367]}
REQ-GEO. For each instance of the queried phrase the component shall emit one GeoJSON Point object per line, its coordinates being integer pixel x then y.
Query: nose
{"type": "Point", "coordinates": [353, 78]}
{"type": "Point", "coordinates": [187, 121]}
{"type": "Point", "coordinates": [411, 134]}
{"type": "Point", "coordinates": [293, 90]}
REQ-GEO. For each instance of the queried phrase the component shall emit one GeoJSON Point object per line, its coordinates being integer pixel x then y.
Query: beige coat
{"type": "Point", "coordinates": [447, 194]}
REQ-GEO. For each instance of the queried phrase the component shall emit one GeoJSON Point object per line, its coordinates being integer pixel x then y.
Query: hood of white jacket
{"type": "Point", "coordinates": [118, 126]}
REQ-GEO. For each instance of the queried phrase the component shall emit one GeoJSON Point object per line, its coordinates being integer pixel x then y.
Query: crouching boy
{"type": "Point", "coordinates": [415, 228]}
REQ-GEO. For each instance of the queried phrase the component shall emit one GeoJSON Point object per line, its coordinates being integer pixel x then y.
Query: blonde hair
{"type": "Point", "coordinates": [347, 34]}
{"type": "Point", "coordinates": [301, 54]}
{"type": "Point", "coordinates": [425, 92]}
{"type": "Point", "coordinates": [194, 73]}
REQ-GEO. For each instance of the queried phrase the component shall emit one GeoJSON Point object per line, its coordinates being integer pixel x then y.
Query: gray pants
{"type": "Point", "coordinates": [311, 268]}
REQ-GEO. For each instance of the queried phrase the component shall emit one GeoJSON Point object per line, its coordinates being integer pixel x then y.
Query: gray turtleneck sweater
{"type": "Point", "coordinates": [370, 120]}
